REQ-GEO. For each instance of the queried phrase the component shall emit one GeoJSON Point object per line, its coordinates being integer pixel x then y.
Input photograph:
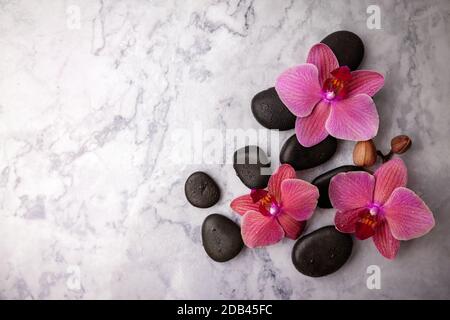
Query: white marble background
{"type": "Point", "coordinates": [91, 202]}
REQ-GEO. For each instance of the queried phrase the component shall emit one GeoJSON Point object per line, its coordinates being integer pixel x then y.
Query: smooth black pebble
{"type": "Point", "coordinates": [221, 238]}
{"type": "Point", "coordinates": [301, 157]}
{"type": "Point", "coordinates": [201, 190]}
{"type": "Point", "coordinates": [347, 46]}
{"type": "Point", "coordinates": [270, 112]}
{"type": "Point", "coordinates": [249, 162]}
{"type": "Point", "coordinates": [322, 182]}
{"type": "Point", "coordinates": [322, 252]}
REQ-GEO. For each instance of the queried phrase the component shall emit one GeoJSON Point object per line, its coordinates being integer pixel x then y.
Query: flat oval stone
{"type": "Point", "coordinates": [201, 190]}
{"type": "Point", "coordinates": [322, 182]}
{"type": "Point", "coordinates": [300, 157]}
{"type": "Point", "coordinates": [322, 252]}
{"type": "Point", "coordinates": [270, 112]}
{"type": "Point", "coordinates": [250, 162]}
{"type": "Point", "coordinates": [347, 46]}
{"type": "Point", "coordinates": [221, 238]}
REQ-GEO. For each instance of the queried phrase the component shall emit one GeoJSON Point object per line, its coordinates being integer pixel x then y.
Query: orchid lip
{"type": "Point", "coordinates": [335, 86]}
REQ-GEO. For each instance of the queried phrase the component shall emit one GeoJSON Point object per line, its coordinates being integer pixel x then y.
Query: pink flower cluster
{"type": "Point", "coordinates": [332, 100]}
{"type": "Point", "coordinates": [378, 206]}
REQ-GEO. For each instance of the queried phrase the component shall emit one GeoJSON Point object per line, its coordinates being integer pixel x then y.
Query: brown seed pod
{"type": "Point", "coordinates": [400, 144]}
{"type": "Point", "coordinates": [364, 153]}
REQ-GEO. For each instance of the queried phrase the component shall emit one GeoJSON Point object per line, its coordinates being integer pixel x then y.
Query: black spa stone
{"type": "Point", "coordinates": [322, 252]}
{"type": "Point", "coordinates": [347, 46]}
{"type": "Point", "coordinates": [300, 157]}
{"type": "Point", "coordinates": [322, 182]}
{"type": "Point", "coordinates": [201, 190]}
{"type": "Point", "coordinates": [270, 112]}
{"type": "Point", "coordinates": [221, 238]}
{"type": "Point", "coordinates": [252, 165]}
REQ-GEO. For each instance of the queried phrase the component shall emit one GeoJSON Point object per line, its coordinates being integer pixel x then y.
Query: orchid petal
{"type": "Point", "coordinates": [243, 204]}
{"type": "Point", "coordinates": [258, 230]}
{"type": "Point", "coordinates": [292, 228]}
{"type": "Point", "coordinates": [311, 130]}
{"type": "Point", "coordinates": [324, 59]}
{"type": "Point", "coordinates": [386, 244]}
{"type": "Point", "coordinates": [351, 190]}
{"type": "Point", "coordinates": [354, 118]}
{"type": "Point", "coordinates": [365, 81]}
{"type": "Point", "coordinates": [284, 172]}
{"type": "Point", "coordinates": [389, 176]}
{"type": "Point", "coordinates": [299, 198]}
{"type": "Point", "coordinates": [299, 89]}
{"type": "Point", "coordinates": [408, 216]}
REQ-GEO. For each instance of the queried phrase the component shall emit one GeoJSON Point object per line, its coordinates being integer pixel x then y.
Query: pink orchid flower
{"type": "Point", "coordinates": [328, 99]}
{"type": "Point", "coordinates": [282, 210]}
{"type": "Point", "coordinates": [380, 206]}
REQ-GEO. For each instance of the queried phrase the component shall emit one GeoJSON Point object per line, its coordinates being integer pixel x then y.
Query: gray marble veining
{"type": "Point", "coordinates": [91, 93]}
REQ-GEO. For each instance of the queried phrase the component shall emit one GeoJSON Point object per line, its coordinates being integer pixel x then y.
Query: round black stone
{"type": "Point", "coordinates": [270, 111]}
{"type": "Point", "coordinates": [221, 238]}
{"type": "Point", "coordinates": [300, 157]}
{"type": "Point", "coordinates": [347, 46]}
{"type": "Point", "coordinates": [249, 162]}
{"type": "Point", "coordinates": [322, 252]}
{"type": "Point", "coordinates": [322, 182]}
{"type": "Point", "coordinates": [201, 190]}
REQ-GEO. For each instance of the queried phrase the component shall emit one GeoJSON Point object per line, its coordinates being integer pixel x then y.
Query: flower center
{"type": "Point", "coordinates": [275, 208]}
{"type": "Point", "coordinates": [368, 221]}
{"type": "Point", "coordinates": [375, 210]}
{"type": "Point", "coordinates": [268, 205]}
{"type": "Point", "coordinates": [335, 86]}
{"type": "Point", "coordinates": [330, 95]}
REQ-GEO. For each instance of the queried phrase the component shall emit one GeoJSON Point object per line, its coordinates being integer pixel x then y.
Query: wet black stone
{"type": "Point", "coordinates": [221, 238]}
{"type": "Point", "coordinates": [248, 162]}
{"type": "Point", "coordinates": [322, 252]}
{"type": "Point", "coordinates": [201, 190]}
{"type": "Point", "coordinates": [347, 46]}
{"type": "Point", "coordinates": [322, 182]}
{"type": "Point", "coordinates": [301, 157]}
{"type": "Point", "coordinates": [270, 112]}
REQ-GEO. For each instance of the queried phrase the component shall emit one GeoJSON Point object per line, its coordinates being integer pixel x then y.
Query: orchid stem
{"type": "Point", "coordinates": [385, 157]}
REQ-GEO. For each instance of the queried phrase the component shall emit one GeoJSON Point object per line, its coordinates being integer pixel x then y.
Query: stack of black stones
{"type": "Point", "coordinates": [318, 253]}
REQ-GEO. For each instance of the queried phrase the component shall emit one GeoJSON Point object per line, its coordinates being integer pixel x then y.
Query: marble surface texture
{"type": "Point", "coordinates": [93, 94]}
